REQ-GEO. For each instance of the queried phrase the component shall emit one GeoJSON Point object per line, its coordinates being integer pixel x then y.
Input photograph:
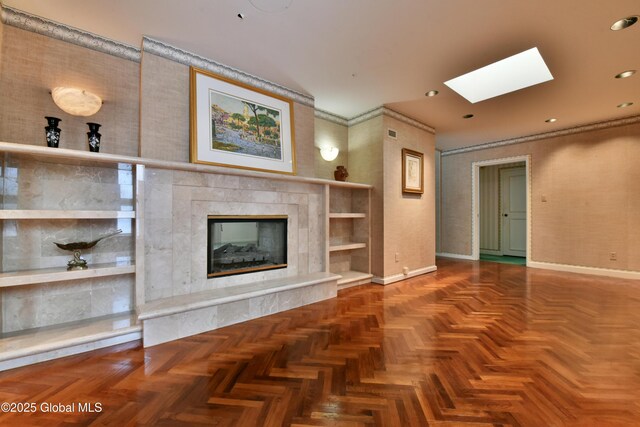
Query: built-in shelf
{"type": "Point", "coordinates": [63, 214]}
{"type": "Point", "coordinates": [347, 247]}
{"type": "Point", "coordinates": [353, 278]}
{"type": "Point", "coordinates": [35, 345]}
{"type": "Point", "coordinates": [347, 215]}
{"type": "Point", "coordinates": [63, 155]}
{"type": "Point", "coordinates": [30, 277]}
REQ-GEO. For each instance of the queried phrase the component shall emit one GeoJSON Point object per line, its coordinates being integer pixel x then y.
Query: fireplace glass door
{"type": "Point", "coordinates": [244, 244]}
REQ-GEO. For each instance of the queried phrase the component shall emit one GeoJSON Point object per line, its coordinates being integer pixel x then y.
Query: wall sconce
{"type": "Point", "coordinates": [77, 102]}
{"type": "Point", "coordinates": [329, 153]}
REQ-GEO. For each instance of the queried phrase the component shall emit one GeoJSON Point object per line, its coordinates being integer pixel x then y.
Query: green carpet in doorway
{"type": "Point", "coordinates": [504, 259]}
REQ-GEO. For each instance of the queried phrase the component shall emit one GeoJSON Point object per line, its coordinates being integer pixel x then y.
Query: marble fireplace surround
{"type": "Point", "coordinates": [179, 298]}
{"type": "Point", "coordinates": [170, 293]}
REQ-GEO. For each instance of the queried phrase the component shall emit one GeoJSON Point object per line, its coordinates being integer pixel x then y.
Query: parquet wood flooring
{"type": "Point", "coordinates": [475, 344]}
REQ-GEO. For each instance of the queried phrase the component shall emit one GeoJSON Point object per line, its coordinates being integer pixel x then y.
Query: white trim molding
{"type": "Point", "coordinates": [184, 57]}
{"type": "Point", "coordinates": [397, 277]}
{"type": "Point", "coordinates": [382, 110]}
{"type": "Point", "coordinates": [597, 271]}
{"type": "Point", "coordinates": [36, 24]}
{"type": "Point", "coordinates": [568, 131]}
{"type": "Point", "coordinates": [455, 256]}
{"type": "Point", "coordinates": [330, 117]}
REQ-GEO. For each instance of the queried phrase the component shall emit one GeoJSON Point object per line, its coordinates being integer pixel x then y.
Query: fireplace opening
{"type": "Point", "coordinates": [244, 244]}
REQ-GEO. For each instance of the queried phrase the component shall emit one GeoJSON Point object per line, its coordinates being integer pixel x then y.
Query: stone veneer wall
{"type": "Point", "coordinates": [176, 207]}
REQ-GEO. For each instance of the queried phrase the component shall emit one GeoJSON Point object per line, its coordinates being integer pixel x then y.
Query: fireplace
{"type": "Point", "coordinates": [244, 244]}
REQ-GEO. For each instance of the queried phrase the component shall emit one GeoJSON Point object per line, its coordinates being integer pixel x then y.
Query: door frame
{"type": "Point", "coordinates": [475, 200]}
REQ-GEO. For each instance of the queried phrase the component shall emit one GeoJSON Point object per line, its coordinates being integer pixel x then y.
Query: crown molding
{"type": "Point", "coordinates": [379, 111]}
{"type": "Point", "coordinates": [568, 131]}
{"type": "Point", "coordinates": [184, 57]}
{"type": "Point", "coordinates": [408, 120]}
{"type": "Point", "coordinates": [330, 117]}
{"type": "Point", "coordinates": [367, 115]}
{"type": "Point", "coordinates": [35, 24]}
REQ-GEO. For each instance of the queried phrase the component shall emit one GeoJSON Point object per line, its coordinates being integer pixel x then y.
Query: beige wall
{"type": "Point", "coordinates": [409, 219]}
{"type": "Point", "coordinates": [164, 117]}
{"type": "Point", "coordinates": [334, 135]}
{"type": "Point", "coordinates": [401, 223]}
{"type": "Point", "coordinates": [164, 109]}
{"type": "Point", "coordinates": [33, 64]}
{"type": "Point", "coordinates": [591, 182]}
{"type": "Point", "coordinates": [366, 166]}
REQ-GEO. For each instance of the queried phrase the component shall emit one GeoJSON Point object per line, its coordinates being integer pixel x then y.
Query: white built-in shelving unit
{"type": "Point", "coordinates": [349, 233]}
{"type": "Point", "coordinates": [47, 341]}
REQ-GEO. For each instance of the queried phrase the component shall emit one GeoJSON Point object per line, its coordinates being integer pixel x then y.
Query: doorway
{"type": "Point", "coordinates": [501, 210]}
{"type": "Point", "coordinates": [513, 212]}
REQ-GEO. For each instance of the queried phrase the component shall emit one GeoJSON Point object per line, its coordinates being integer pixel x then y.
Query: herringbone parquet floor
{"type": "Point", "coordinates": [475, 344]}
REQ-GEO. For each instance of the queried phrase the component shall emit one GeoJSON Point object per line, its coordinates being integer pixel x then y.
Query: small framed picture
{"type": "Point", "coordinates": [412, 171]}
{"type": "Point", "coordinates": [240, 126]}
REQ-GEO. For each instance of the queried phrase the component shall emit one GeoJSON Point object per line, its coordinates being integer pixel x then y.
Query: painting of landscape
{"type": "Point", "coordinates": [244, 127]}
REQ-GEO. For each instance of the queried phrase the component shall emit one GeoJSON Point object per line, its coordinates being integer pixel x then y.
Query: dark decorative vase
{"type": "Point", "coordinates": [52, 132]}
{"type": "Point", "coordinates": [340, 174]}
{"type": "Point", "coordinates": [94, 137]}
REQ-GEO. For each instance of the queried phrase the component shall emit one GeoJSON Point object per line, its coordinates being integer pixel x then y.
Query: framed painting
{"type": "Point", "coordinates": [412, 171]}
{"type": "Point", "coordinates": [240, 126]}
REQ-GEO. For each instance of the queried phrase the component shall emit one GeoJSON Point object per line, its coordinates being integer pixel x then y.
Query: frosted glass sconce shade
{"type": "Point", "coordinates": [76, 102]}
{"type": "Point", "coordinates": [329, 153]}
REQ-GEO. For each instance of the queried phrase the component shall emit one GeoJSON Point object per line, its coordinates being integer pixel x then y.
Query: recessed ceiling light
{"type": "Point", "coordinates": [467, 116]}
{"type": "Point", "coordinates": [625, 74]}
{"type": "Point", "coordinates": [624, 23]}
{"type": "Point", "coordinates": [507, 75]}
{"type": "Point", "coordinates": [551, 120]}
{"type": "Point", "coordinates": [625, 104]}
{"type": "Point", "coordinates": [432, 93]}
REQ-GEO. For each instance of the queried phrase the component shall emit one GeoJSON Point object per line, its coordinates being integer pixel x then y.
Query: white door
{"type": "Point", "coordinates": [513, 211]}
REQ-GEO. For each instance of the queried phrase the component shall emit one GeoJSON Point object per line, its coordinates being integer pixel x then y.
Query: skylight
{"type": "Point", "coordinates": [507, 75]}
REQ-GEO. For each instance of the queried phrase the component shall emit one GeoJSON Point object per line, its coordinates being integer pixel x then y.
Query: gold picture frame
{"type": "Point", "coordinates": [240, 126]}
{"type": "Point", "coordinates": [412, 171]}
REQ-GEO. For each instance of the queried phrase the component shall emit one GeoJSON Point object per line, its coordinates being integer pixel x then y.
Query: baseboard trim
{"type": "Point", "coordinates": [397, 277]}
{"type": "Point", "coordinates": [596, 271]}
{"type": "Point", "coordinates": [457, 256]}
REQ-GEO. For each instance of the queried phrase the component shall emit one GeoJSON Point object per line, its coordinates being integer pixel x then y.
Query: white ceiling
{"type": "Point", "coordinates": [355, 55]}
